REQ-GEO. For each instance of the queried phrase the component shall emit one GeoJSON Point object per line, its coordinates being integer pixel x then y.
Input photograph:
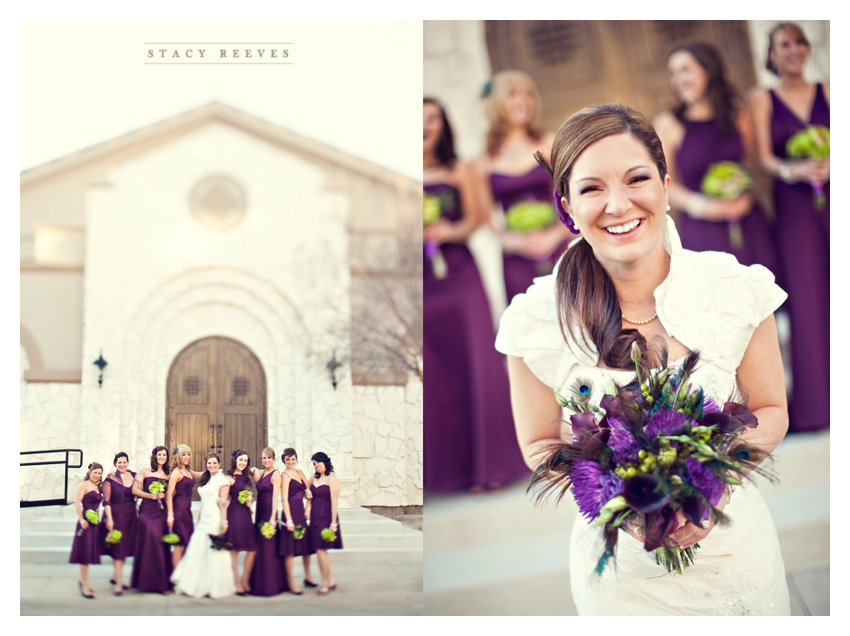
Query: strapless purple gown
{"type": "Point", "coordinates": [803, 240]}
{"type": "Point", "coordinates": [468, 433]}
{"type": "Point", "coordinates": [508, 190]}
{"type": "Point", "coordinates": [267, 577]}
{"type": "Point", "coordinates": [240, 526]}
{"type": "Point", "coordinates": [122, 504]}
{"type": "Point", "coordinates": [86, 546]}
{"type": "Point", "coordinates": [181, 504]}
{"type": "Point", "coordinates": [152, 558]}
{"type": "Point", "coordinates": [702, 146]}
{"type": "Point", "coordinates": [320, 518]}
{"type": "Point", "coordinates": [288, 544]}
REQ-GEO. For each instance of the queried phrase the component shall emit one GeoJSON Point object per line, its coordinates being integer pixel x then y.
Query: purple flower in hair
{"type": "Point", "coordinates": [562, 213]}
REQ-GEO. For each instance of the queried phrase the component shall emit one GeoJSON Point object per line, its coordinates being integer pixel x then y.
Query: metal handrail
{"type": "Point", "coordinates": [67, 464]}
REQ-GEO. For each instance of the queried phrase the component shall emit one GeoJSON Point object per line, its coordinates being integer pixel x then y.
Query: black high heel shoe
{"type": "Point", "coordinates": [83, 593]}
{"type": "Point", "coordinates": [310, 583]}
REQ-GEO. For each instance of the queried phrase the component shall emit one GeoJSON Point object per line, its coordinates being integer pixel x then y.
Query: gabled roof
{"type": "Point", "coordinates": [167, 129]}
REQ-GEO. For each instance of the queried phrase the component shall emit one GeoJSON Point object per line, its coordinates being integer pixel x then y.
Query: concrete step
{"type": "Point", "coordinates": [46, 537]}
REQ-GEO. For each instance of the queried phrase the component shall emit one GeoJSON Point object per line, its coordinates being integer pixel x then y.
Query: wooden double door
{"type": "Point", "coordinates": [216, 401]}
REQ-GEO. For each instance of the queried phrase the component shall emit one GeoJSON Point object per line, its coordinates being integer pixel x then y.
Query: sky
{"type": "Point", "coordinates": [353, 85]}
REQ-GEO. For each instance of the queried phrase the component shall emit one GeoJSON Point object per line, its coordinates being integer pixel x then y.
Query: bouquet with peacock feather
{"type": "Point", "coordinates": [650, 450]}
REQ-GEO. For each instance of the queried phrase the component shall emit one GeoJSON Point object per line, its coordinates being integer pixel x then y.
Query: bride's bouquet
{"type": "Point", "coordinates": [727, 180]}
{"type": "Point", "coordinates": [811, 143]}
{"type": "Point", "coordinates": [652, 449]}
{"type": "Point", "coordinates": [220, 541]}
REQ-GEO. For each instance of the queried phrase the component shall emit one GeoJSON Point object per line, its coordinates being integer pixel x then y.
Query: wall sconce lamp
{"type": "Point", "coordinates": [100, 363]}
{"type": "Point", "coordinates": [332, 366]}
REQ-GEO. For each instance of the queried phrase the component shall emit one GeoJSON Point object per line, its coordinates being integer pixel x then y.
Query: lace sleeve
{"type": "Point", "coordinates": [107, 491]}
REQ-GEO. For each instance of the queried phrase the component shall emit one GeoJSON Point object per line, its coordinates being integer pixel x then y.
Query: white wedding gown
{"type": "Point", "coordinates": [711, 304]}
{"type": "Point", "coordinates": [204, 571]}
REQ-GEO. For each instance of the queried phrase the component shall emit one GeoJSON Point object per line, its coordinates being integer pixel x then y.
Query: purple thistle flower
{"type": "Point", "coordinates": [622, 442]}
{"type": "Point", "coordinates": [611, 486]}
{"type": "Point", "coordinates": [666, 422]}
{"type": "Point", "coordinates": [704, 479]}
{"type": "Point", "coordinates": [709, 405]}
{"type": "Point", "coordinates": [588, 490]}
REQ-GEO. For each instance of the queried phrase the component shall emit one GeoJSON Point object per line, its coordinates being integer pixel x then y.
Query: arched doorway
{"type": "Point", "coordinates": [216, 401]}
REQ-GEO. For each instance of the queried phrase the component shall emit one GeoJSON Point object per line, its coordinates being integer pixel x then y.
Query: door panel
{"type": "Point", "coordinates": [216, 401]}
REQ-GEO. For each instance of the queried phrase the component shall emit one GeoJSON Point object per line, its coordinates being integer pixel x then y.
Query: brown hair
{"type": "Point", "coordinates": [500, 88]}
{"type": "Point", "coordinates": [154, 465]}
{"type": "Point", "coordinates": [795, 32]}
{"type": "Point", "coordinates": [720, 92]}
{"type": "Point", "coordinates": [586, 295]}
{"type": "Point", "coordinates": [94, 466]}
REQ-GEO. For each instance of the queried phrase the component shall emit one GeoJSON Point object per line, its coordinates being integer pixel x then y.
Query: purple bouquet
{"type": "Point", "coordinates": [651, 449]}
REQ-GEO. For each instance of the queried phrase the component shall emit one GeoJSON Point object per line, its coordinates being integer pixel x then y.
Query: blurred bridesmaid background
{"type": "Point", "coordinates": [718, 91]}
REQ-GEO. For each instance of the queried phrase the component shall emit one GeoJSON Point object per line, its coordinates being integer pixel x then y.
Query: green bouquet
{"type": "Point", "coordinates": [727, 180]}
{"type": "Point", "coordinates": [328, 535]}
{"type": "Point", "coordinates": [431, 208]}
{"type": "Point", "coordinates": [246, 497]}
{"type": "Point", "coordinates": [299, 532]}
{"type": "Point", "coordinates": [91, 517]}
{"type": "Point", "coordinates": [529, 216]}
{"type": "Point", "coordinates": [811, 143]}
{"type": "Point", "coordinates": [113, 537]}
{"type": "Point", "coordinates": [171, 538]}
{"type": "Point", "coordinates": [267, 530]}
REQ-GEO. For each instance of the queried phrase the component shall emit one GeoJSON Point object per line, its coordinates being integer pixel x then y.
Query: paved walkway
{"type": "Point", "coordinates": [497, 554]}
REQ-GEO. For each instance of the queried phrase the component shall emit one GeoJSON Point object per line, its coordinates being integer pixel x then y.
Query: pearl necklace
{"type": "Point", "coordinates": [640, 322]}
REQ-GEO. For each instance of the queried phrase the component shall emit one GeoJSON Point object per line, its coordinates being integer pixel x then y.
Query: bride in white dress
{"type": "Point", "coordinates": [204, 571]}
{"type": "Point", "coordinates": [629, 280]}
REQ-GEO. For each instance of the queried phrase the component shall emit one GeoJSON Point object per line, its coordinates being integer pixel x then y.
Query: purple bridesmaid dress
{"type": "Point", "coordinates": [181, 504]}
{"type": "Point", "coordinates": [267, 577]}
{"type": "Point", "coordinates": [803, 241]}
{"type": "Point", "coordinates": [122, 504]}
{"type": "Point", "coordinates": [703, 145]}
{"type": "Point", "coordinates": [152, 557]}
{"type": "Point", "coordinates": [508, 190]}
{"type": "Point", "coordinates": [86, 546]}
{"type": "Point", "coordinates": [320, 518]}
{"type": "Point", "coordinates": [468, 433]}
{"type": "Point", "coordinates": [240, 526]}
{"type": "Point", "coordinates": [288, 544]}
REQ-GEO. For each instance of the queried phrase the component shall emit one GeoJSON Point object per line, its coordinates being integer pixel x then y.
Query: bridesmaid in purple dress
{"type": "Point", "coordinates": [178, 499]}
{"type": "Point", "coordinates": [709, 125]}
{"type": "Point", "coordinates": [324, 516]}
{"type": "Point", "coordinates": [469, 440]}
{"type": "Point", "coordinates": [802, 230]}
{"type": "Point", "coordinates": [267, 578]}
{"type": "Point", "coordinates": [240, 529]}
{"type": "Point", "coordinates": [86, 547]}
{"type": "Point", "coordinates": [509, 174]}
{"type": "Point", "coordinates": [294, 493]}
{"type": "Point", "coordinates": [152, 558]}
{"type": "Point", "coordinates": [119, 506]}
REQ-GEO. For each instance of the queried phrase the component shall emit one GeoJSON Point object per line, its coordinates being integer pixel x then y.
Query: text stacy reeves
{"type": "Point", "coordinates": [218, 54]}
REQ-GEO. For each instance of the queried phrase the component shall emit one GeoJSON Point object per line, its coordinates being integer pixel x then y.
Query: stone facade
{"type": "Point", "coordinates": [269, 270]}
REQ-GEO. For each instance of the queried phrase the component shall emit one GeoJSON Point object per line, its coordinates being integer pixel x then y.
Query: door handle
{"type": "Point", "coordinates": [219, 436]}
{"type": "Point", "coordinates": [212, 436]}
